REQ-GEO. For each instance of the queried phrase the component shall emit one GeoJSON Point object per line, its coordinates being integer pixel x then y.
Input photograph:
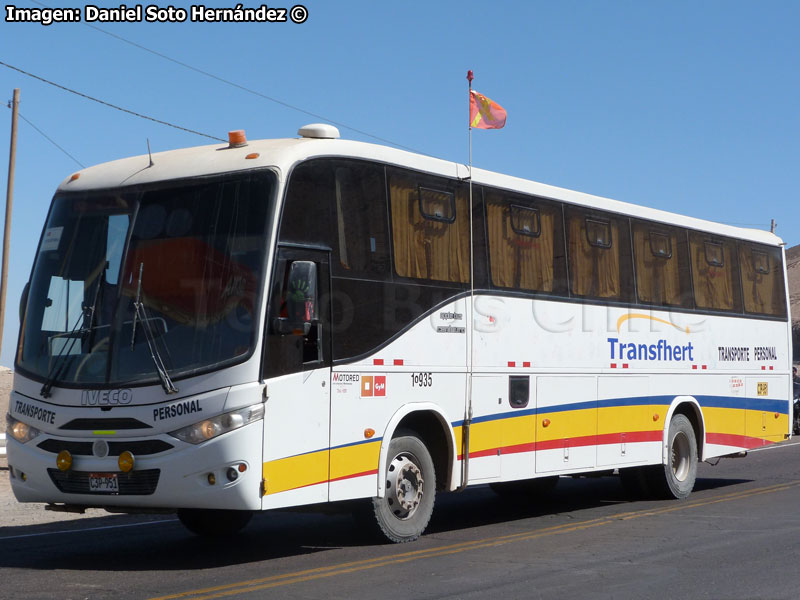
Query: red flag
{"type": "Point", "coordinates": [484, 113]}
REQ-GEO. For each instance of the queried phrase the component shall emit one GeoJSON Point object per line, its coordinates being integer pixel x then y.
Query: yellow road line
{"type": "Point", "coordinates": [253, 585]}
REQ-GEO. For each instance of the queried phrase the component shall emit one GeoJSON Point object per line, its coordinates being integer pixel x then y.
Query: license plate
{"type": "Point", "coordinates": [103, 482]}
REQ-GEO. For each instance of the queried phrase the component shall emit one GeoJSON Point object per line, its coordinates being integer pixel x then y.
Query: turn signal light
{"type": "Point", "coordinates": [368, 433]}
{"type": "Point", "coordinates": [655, 417]}
{"type": "Point", "coordinates": [546, 423]}
{"type": "Point", "coordinates": [126, 461]}
{"type": "Point", "coordinates": [64, 460]}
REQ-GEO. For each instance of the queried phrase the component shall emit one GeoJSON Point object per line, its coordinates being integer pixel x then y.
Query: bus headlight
{"type": "Point", "coordinates": [211, 428]}
{"type": "Point", "coordinates": [22, 432]}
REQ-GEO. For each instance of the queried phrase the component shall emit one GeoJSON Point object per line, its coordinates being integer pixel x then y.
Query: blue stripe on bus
{"type": "Point", "coordinates": [734, 402]}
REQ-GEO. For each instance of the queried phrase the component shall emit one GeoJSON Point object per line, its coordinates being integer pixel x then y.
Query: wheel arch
{"type": "Point", "coordinates": [431, 425]}
{"type": "Point", "coordinates": [689, 407]}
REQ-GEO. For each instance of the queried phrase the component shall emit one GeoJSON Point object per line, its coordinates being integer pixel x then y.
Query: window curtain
{"type": "Point", "coordinates": [594, 271]}
{"type": "Point", "coordinates": [713, 285]}
{"type": "Point", "coordinates": [763, 292]}
{"type": "Point", "coordinates": [520, 261]}
{"type": "Point", "coordinates": [425, 248]}
{"type": "Point", "coordinates": [658, 278]}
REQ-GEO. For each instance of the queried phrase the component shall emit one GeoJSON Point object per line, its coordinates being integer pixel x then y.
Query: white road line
{"type": "Point", "coordinates": [30, 535]}
{"type": "Point", "coordinates": [774, 447]}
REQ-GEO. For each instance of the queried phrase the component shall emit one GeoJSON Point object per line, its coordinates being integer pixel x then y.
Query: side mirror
{"type": "Point", "coordinates": [300, 298]}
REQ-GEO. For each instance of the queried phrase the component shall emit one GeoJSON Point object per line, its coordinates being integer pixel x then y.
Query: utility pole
{"type": "Point", "coordinates": [772, 226]}
{"type": "Point", "coordinates": [9, 200]}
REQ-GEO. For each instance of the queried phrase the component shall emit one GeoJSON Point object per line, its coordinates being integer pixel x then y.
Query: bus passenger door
{"type": "Point", "coordinates": [297, 375]}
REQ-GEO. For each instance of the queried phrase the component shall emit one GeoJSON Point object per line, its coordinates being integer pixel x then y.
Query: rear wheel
{"type": "Point", "coordinates": [676, 478]}
{"type": "Point", "coordinates": [214, 523]}
{"type": "Point", "coordinates": [404, 511]}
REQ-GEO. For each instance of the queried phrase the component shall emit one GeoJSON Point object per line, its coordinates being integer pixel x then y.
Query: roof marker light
{"type": "Point", "coordinates": [74, 177]}
{"type": "Point", "coordinates": [237, 138]}
{"type": "Point", "coordinates": [252, 155]}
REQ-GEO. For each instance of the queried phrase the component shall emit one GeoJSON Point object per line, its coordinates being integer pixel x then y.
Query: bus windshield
{"type": "Point", "coordinates": [151, 283]}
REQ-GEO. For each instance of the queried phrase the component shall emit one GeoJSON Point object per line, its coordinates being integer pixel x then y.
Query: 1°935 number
{"type": "Point", "coordinates": [421, 380]}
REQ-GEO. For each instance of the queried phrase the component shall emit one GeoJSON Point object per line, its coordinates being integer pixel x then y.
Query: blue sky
{"type": "Point", "coordinates": [684, 106]}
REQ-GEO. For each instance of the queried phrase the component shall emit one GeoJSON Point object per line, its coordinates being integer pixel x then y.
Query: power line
{"type": "Point", "coordinates": [114, 106]}
{"type": "Point", "coordinates": [243, 88]}
{"type": "Point", "coordinates": [249, 90]}
{"type": "Point", "coordinates": [45, 136]}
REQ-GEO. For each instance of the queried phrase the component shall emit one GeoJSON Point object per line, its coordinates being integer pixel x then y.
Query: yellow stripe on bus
{"type": "Point", "coordinates": [352, 460]}
{"type": "Point", "coordinates": [296, 471]}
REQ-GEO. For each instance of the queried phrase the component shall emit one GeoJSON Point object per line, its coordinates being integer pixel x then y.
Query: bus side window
{"type": "Point", "coordinates": [714, 272]}
{"type": "Point", "coordinates": [599, 255]}
{"type": "Point", "coordinates": [430, 228]}
{"type": "Point", "coordinates": [526, 246]}
{"type": "Point", "coordinates": [662, 265]}
{"type": "Point", "coordinates": [762, 280]}
{"type": "Point", "coordinates": [362, 232]}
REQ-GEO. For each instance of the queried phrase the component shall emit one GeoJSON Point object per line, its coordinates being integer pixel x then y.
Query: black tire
{"type": "Point", "coordinates": [214, 523]}
{"type": "Point", "coordinates": [676, 478]}
{"type": "Point", "coordinates": [404, 511]}
{"type": "Point", "coordinates": [525, 488]}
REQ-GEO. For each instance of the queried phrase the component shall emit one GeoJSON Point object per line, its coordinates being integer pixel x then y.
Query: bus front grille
{"type": "Point", "coordinates": [135, 483]}
{"type": "Point", "coordinates": [139, 448]}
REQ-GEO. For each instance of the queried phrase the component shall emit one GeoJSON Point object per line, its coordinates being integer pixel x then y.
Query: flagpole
{"type": "Point", "coordinates": [470, 333]}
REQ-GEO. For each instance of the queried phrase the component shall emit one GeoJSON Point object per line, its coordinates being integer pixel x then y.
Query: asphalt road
{"type": "Point", "coordinates": [736, 537]}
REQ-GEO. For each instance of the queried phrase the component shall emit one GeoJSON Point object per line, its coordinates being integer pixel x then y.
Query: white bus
{"type": "Point", "coordinates": [228, 329]}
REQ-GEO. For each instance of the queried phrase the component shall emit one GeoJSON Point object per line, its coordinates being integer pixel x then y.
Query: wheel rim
{"type": "Point", "coordinates": [404, 486]}
{"type": "Point", "coordinates": [681, 456]}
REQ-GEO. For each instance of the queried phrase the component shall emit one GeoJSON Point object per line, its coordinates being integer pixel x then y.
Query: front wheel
{"type": "Point", "coordinates": [214, 523]}
{"type": "Point", "coordinates": [404, 511]}
{"type": "Point", "coordinates": [676, 478]}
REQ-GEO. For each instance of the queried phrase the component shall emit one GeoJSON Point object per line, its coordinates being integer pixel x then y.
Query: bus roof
{"type": "Point", "coordinates": [283, 154]}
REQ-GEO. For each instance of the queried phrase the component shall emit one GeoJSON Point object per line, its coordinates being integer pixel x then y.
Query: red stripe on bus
{"type": "Point", "coordinates": [354, 475]}
{"type": "Point", "coordinates": [738, 441]}
{"type": "Point", "coordinates": [591, 440]}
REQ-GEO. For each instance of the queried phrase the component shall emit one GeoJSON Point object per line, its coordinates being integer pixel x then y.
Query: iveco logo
{"type": "Point", "coordinates": [106, 397]}
{"type": "Point", "coordinates": [100, 448]}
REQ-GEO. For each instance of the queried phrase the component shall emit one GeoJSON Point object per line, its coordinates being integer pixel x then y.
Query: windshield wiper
{"type": "Point", "coordinates": [140, 315]}
{"type": "Point", "coordinates": [59, 365]}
